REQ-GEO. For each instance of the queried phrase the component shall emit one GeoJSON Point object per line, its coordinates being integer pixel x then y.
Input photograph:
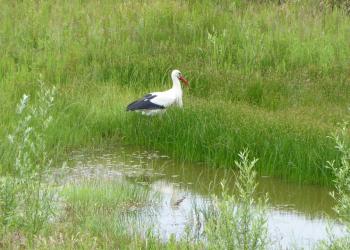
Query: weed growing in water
{"type": "Point", "coordinates": [25, 201]}
{"type": "Point", "coordinates": [107, 210]}
{"type": "Point", "coordinates": [341, 195]}
{"type": "Point", "coordinates": [342, 175]}
{"type": "Point", "coordinates": [239, 221]}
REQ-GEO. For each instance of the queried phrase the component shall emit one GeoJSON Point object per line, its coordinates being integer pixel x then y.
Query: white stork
{"type": "Point", "coordinates": [157, 102]}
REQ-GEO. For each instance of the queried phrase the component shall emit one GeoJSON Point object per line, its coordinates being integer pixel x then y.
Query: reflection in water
{"type": "Point", "coordinates": [296, 216]}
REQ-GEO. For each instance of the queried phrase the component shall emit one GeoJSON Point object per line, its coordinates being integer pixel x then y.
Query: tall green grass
{"type": "Point", "coordinates": [287, 148]}
{"type": "Point", "coordinates": [267, 76]}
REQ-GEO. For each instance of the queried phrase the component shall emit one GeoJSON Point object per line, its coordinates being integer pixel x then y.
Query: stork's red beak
{"type": "Point", "coordinates": [184, 80]}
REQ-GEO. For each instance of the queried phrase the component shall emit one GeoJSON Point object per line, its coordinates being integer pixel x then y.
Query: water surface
{"type": "Point", "coordinates": [297, 215]}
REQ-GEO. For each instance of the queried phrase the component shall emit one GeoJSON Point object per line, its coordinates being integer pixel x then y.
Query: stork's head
{"type": "Point", "coordinates": [177, 74]}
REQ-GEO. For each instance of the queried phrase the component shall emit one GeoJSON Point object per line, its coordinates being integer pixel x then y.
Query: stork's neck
{"type": "Point", "coordinates": [176, 85]}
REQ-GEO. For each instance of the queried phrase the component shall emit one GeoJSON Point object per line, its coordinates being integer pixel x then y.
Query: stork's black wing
{"type": "Point", "coordinates": [144, 103]}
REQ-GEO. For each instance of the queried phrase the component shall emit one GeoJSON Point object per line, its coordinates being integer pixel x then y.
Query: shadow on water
{"type": "Point", "coordinates": [297, 213]}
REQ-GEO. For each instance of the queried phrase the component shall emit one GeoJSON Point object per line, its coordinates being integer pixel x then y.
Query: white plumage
{"type": "Point", "coordinates": [157, 102]}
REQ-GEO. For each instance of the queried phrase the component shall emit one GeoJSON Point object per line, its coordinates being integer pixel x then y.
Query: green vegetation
{"type": "Point", "coordinates": [104, 214]}
{"type": "Point", "coordinates": [103, 210]}
{"type": "Point", "coordinates": [25, 200]}
{"type": "Point", "coordinates": [273, 78]}
{"type": "Point", "coordinates": [342, 187]}
{"type": "Point", "coordinates": [239, 221]}
{"type": "Point", "coordinates": [269, 77]}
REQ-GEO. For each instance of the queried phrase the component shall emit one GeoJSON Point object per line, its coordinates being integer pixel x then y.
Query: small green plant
{"type": "Point", "coordinates": [341, 194]}
{"type": "Point", "coordinates": [239, 221]}
{"type": "Point", "coordinates": [25, 201]}
{"type": "Point", "coordinates": [216, 42]}
{"type": "Point", "coordinates": [342, 175]}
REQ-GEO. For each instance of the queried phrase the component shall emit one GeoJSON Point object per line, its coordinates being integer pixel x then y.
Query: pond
{"type": "Point", "coordinates": [298, 215]}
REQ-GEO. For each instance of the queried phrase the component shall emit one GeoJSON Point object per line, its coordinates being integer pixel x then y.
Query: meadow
{"type": "Point", "coordinates": [270, 77]}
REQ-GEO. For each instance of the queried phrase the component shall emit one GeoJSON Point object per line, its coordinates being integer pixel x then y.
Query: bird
{"type": "Point", "coordinates": [155, 103]}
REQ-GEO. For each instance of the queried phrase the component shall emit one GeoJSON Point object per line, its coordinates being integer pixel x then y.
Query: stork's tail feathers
{"type": "Point", "coordinates": [144, 103]}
